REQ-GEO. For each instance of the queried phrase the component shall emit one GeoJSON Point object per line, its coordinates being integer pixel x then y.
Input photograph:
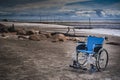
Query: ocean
{"type": "Point", "coordinates": [101, 26]}
{"type": "Point", "coordinates": [113, 32]}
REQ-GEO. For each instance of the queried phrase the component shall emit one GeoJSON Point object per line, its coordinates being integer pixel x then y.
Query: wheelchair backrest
{"type": "Point", "coordinates": [91, 41]}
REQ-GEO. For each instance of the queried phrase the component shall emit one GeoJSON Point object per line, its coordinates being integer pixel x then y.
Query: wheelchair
{"type": "Point", "coordinates": [91, 55]}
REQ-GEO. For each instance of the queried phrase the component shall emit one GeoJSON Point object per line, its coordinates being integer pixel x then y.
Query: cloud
{"type": "Point", "coordinates": [108, 13]}
{"type": "Point", "coordinates": [99, 13]}
{"type": "Point", "coordinates": [12, 3]}
{"type": "Point", "coordinates": [17, 5]}
{"type": "Point", "coordinates": [96, 4]}
{"type": "Point", "coordinates": [2, 13]}
{"type": "Point", "coordinates": [112, 13]}
{"type": "Point", "coordinates": [65, 8]}
{"type": "Point", "coordinates": [86, 13]}
{"type": "Point", "coordinates": [103, 14]}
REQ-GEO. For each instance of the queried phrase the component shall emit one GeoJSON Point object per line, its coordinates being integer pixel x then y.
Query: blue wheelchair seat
{"type": "Point", "coordinates": [91, 44]}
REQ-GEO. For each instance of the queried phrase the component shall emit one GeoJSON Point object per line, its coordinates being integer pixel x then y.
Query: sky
{"type": "Point", "coordinates": [60, 9]}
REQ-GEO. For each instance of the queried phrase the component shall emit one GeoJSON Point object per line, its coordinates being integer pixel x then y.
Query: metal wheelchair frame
{"type": "Point", "coordinates": [91, 55]}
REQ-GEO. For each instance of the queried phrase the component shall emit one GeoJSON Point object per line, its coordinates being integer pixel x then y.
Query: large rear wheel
{"type": "Point", "coordinates": [102, 59]}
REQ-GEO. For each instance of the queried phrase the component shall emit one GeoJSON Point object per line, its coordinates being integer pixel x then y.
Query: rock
{"type": "Point", "coordinates": [78, 39]}
{"type": "Point", "coordinates": [37, 37]}
{"type": "Point", "coordinates": [30, 32]}
{"type": "Point", "coordinates": [48, 35]}
{"type": "Point", "coordinates": [23, 37]}
{"type": "Point", "coordinates": [54, 33]}
{"type": "Point", "coordinates": [75, 39]}
{"type": "Point", "coordinates": [15, 37]}
{"type": "Point", "coordinates": [12, 28]}
{"type": "Point", "coordinates": [3, 35]}
{"type": "Point", "coordinates": [3, 28]}
{"type": "Point", "coordinates": [21, 32]}
{"type": "Point", "coordinates": [40, 32]}
{"type": "Point", "coordinates": [9, 36]}
{"type": "Point", "coordinates": [34, 37]}
{"type": "Point", "coordinates": [42, 37]}
{"type": "Point", "coordinates": [6, 29]}
{"type": "Point", "coordinates": [67, 38]}
{"type": "Point", "coordinates": [60, 37]}
{"type": "Point", "coordinates": [37, 32]}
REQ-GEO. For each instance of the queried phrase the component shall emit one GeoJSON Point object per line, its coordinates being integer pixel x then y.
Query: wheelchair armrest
{"type": "Point", "coordinates": [80, 42]}
{"type": "Point", "coordinates": [97, 47]}
{"type": "Point", "coordinates": [81, 46]}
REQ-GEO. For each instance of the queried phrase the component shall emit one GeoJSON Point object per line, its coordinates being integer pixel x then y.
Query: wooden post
{"type": "Point", "coordinates": [74, 31]}
{"type": "Point", "coordinates": [68, 30]}
{"type": "Point", "coordinates": [89, 23]}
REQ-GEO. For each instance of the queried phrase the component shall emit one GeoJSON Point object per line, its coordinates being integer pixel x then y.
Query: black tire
{"type": "Point", "coordinates": [102, 59]}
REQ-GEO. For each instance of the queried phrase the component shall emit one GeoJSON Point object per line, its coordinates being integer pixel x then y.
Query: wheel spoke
{"type": "Point", "coordinates": [102, 59]}
{"type": "Point", "coordinates": [82, 58]}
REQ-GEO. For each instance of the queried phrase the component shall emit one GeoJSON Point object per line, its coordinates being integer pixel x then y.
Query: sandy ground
{"type": "Point", "coordinates": [47, 60]}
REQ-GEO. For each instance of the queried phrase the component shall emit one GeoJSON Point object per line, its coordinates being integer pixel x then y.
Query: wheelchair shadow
{"type": "Point", "coordinates": [113, 43]}
{"type": "Point", "coordinates": [79, 71]}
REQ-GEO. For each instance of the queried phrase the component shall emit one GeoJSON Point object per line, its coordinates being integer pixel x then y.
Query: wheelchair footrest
{"type": "Point", "coordinates": [77, 65]}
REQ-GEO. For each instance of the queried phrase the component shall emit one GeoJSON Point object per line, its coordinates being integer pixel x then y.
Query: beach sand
{"type": "Point", "coordinates": [47, 60]}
